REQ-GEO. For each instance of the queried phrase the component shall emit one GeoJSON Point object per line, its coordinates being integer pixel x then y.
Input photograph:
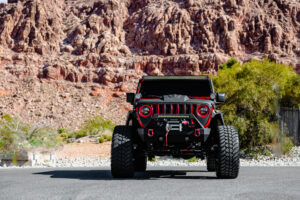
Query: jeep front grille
{"type": "Point", "coordinates": [174, 108]}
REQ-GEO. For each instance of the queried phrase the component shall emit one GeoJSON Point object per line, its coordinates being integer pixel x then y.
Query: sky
{"type": "Point", "coordinates": [3, 1]}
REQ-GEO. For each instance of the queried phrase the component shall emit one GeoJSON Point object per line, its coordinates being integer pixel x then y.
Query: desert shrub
{"type": "Point", "coordinates": [61, 130]}
{"type": "Point", "coordinates": [152, 159]}
{"type": "Point", "coordinates": [64, 133]}
{"type": "Point", "coordinates": [107, 137]}
{"type": "Point", "coordinates": [93, 126]}
{"type": "Point", "coordinates": [101, 139]}
{"type": "Point", "coordinates": [64, 136]}
{"type": "Point", "coordinates": [193, 159]}
{"type": "Point", "coordinates": [78, 134]}
{"type": "Point", "coordinates": [257, 151]}
{"type": "Point", "coordinates": [286, 144]}
{"type": "Point", "coordinates": [16, 136]}
{"type": "Point", "coordinates": [229, 63]}
{"type": "Point", "coordinates": [254, 92]}
{"type": "Point", "coordinates": [291, 96]}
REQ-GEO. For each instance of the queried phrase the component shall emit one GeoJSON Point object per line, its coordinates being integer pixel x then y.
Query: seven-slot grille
{"type": "Point", "coordinates": [174, 108]}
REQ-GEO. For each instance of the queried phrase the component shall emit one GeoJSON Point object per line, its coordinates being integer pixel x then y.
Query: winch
{"type": "Point", "coordinates": [174, 125]}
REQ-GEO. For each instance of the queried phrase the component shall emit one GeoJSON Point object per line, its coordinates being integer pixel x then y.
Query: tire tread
{"type": "Point", "coordinates": [228, 161]}
{"type": "Point", "coordinates": [122, 153]}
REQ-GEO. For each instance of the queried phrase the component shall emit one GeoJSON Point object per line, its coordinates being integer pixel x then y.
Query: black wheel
{"type": "Point", "coordinates": [122, 153]}
{"type": "Point", "coordinates": [140, 161]}
{"type": "Point", "coordinates": [227, 160]}
{"type": "Point", "coordinates": [211, 162]}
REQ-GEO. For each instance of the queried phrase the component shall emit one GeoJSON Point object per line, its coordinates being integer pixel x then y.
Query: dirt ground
{"type": "Point", "coordinates": [74, 150]}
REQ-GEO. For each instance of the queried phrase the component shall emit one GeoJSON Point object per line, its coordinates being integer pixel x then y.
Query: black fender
{"type": "Point", "coordinates": [218, 119]}
{"type": "Point", "coordinates": [132, 121]}
{"type": "Point", "coordinates": [130, 117]}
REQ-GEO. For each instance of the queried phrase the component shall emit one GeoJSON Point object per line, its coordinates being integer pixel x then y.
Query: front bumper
{"type": "Point", "coordinates": [178, 131]}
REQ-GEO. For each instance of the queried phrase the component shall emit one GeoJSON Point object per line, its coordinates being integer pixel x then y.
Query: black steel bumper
{"type": "Point", "coordinates": [177, 130]}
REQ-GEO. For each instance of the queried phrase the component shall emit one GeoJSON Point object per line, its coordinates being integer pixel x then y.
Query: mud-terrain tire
{"type": "Point", "coordinates": [211, 162]}
{"type": "Point", "coordinates": [140, 161]}
{"type": "Point", "coordinates": [122, 153]}
{"type": "Point", "coordinates": [227, 160]}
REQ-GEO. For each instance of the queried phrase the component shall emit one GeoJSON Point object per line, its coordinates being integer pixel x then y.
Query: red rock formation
{"type": "Point", "coordinates": [105, 34]}
{"type": "Point", "coordinates": [31, 26]}
{"type": "Point", "coordinates": [115, 42]}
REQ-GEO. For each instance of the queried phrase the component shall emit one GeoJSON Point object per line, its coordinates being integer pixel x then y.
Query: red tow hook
{"type": "Point", "coordinates": [150, 133]}
{"type": "Point", "coordinates": [185, 122]}
{"type": "Point", "coordinates": [197, 133]}
{"type": "Point", "coordinates": [167, 137]}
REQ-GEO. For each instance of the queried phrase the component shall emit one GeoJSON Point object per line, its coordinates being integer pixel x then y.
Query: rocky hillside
{"type": "Point", "coordinates": [63, 60]}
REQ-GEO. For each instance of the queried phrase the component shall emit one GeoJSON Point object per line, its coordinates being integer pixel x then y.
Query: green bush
{"type": "Point", "coordinates": [93, 126]}
{"type": "Point", "coordinates": [257, 151]}
{"type": "Point", "coordinates": [286, 144]}
{"type": "Point", "coordinates": [228, 64]}
{"type": "Point", "coordinates": [254, 92]}
{"type": "Point", "coordinates": [78, 134]}
{"type": "Point", "coordinates": [16, 136]}
{"type": "Point", "coordinates": [101, 140]}
{"type": "Point", "coordinates": [61, 130]}
{"type": "Point", "coordinates": [193, 159]}
{"type": "Point", "coordinates": [64, 133]}
{"type": "Point", "coordinates": [107, 137]}
{"type": "Point", "coordinates": [65, 136]}
{"type": "Point", "coordinates": [152, 159]}
{"type": "Point", "coordinates": [291, 96]}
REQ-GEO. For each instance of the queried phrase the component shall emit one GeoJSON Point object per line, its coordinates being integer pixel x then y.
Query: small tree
{"type": "Point", "coordinates": [93, 126]}
{"type": "Point", "coordinates": [254, 92]}
{"type": "Point", "coordinates": [16, 136]}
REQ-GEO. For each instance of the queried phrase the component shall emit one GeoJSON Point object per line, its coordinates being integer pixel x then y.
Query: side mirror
{"type": "Point", "coordinates": [130, 98]}
{"type": "Point", "coordinates": [220, 97]}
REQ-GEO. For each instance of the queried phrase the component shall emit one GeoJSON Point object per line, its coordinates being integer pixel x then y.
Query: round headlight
{"type": "Point", "coordinates": [145, 111]}
{"type": "Point", "coordinates": [202, 110]}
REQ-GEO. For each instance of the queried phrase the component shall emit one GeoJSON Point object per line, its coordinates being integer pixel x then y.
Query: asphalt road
{"type": "Point", "coordinates": [157, 183]}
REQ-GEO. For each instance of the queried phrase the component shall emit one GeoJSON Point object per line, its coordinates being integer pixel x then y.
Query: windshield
{"type": "Point", "coordinates": [191, 88]}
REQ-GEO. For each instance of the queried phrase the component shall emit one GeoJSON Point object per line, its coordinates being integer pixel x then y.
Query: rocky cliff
{"type": "Point", "coordinates": [57, 54]}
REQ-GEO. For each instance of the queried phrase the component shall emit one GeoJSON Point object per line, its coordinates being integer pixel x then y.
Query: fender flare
{"type": "Point", "coordinates": [217, 120]}
{"type": "Point", "coordinates": [130, 116]}
{"type": "Point", "coordinates": [218, 117]}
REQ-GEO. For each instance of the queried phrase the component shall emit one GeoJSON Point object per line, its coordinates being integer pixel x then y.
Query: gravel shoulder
{"type": "Point", "coordinates": [102, 158]}
{"type": "Point", "coordinates": [98, 155]}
